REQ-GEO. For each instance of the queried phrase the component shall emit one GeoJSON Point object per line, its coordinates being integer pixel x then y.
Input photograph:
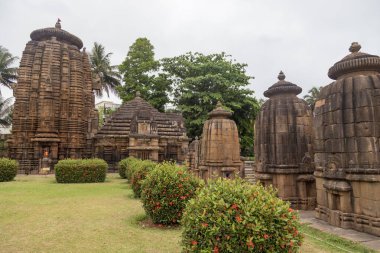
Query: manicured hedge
{"type": "Point", "coordinates": [125, 170]}
{"type": "Point", "coordinates": [235, 216]}
{"type": "Point", "coordinates": [165, 192]}
{"type": "Point", "coordinates": [139, 173]}
{"type": "Point", "coordinates": [80, 171]}
{"type": "Point", "coordinates": [8, 169]}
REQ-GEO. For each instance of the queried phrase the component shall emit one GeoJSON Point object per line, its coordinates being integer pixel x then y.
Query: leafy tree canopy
{"type": "Point", "coordinates": [8, 74]}
{"type": "Point", "coordinates": [202, 80]}
{"type": "Point", "coordinates": [312, 96]}
{"type": "Point", "coordinates": [141, 72]}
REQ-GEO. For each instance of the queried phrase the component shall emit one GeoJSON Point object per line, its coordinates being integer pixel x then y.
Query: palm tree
{"type": "Point", "coordinates": [101, 67]}
{"type": "Point", "coordinates": [8, 74]}
{"type": "Point", "coordinates": [312, 97]}
{"type": "Point", "coordinates": [6, 108]}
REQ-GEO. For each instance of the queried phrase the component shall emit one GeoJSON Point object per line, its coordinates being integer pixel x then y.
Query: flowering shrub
{"type": "Point", "coordinates": [235, 216]}
{"type": "Point", "coordinates": [139, 173]}
{"type": "Point", "coordinates": [124, 166]}
{"type": "Point", "coordinates": [165, 192]}
{"type": "Point", "coordinates": [8, 169]}
{"type": "Point", "coordinates": [80, 171]}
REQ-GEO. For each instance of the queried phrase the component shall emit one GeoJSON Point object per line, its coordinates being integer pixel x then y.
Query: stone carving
{"type": "Point", "coordinates": [54, 106]}
{"type": "Point", "coordinates": [217, 153]}
{"type": "Point", "coordinates": [347, 124]}
{"type": "Point", "coordinates": [139, 130]}
{"type": "Point", "coordinates": [283, 150]}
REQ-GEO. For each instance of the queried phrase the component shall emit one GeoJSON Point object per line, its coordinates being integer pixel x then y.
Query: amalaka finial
{"type": "Point", "coordinates": [138, 94]}
{"type": "Point", "coordinates": [355, 47]}
{"type": "Point", "coordinates": [281, 76]}
{"type": "Point", "coordinates": [58, 24]}
{"type": "Point", "coordinates": [219, 104]}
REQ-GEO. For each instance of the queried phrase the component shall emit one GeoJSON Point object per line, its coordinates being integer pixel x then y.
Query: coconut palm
{"type": "Point", "coordinates": [8, 74]}
{"type": "Point", "coordinates": [103, 70]}
{"type": "Point", "coordinates": [6, 108]}
{"type": "Point", "coordinates": [312, 97]}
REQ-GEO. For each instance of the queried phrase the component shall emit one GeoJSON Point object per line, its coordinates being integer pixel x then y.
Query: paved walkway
{"type": "Point", "coordinates": [370, 241]}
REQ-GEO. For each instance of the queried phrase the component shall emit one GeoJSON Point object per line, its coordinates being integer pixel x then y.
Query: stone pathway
{"type": "Point", "coordinates": [370, 241]}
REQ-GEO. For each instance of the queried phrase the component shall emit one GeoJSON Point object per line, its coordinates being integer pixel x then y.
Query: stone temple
{"type": "Point", "coordinates": [283, 145]}
{"type": "Point", "coordinates": [54, 111]}
{"type": "Point", "coordinates": [347, 131]}
{"type": "Point", "coordinates": [217, 154]}
{"type": "Point", "coordinates": [138, 129]}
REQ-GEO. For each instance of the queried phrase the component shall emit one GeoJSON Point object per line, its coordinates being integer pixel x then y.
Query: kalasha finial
{"type": "Point", "coordinates": [58, 24]}
{"type": "Point", "coordinates": [355, 47]}
{"type": "Point", "coordinates": [138, 94]}
{"type": "Point", "coordinates": [281, 76]}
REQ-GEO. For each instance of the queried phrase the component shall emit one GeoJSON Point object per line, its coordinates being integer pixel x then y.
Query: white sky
{"type": "Point", "coordinates": [302, 38]}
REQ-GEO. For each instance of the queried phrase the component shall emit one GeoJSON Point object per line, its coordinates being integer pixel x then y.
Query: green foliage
{"type": "Point", "coordinates": [8, 169]}
{"type": "Point", "coordinates": [139, 173]}
{"type": "Point", "coordinates": [104, 113]}
{"type": "Point", "coordinates": [80, 171]}
{"type": "Point", "coordinates": [235, 216]}
{"type": "Point", "coordinates": [126, 168]}
{"type": "Point", "coordinates": [102, 69]}
{"type": "Point", "coordinates": [202, 80]}
{"type": "Point", "coordinates": [312, 97]}
{"type": "Point", "coordinates": [6, 109]}
{"type": "Point", "coordinates": [165, 192]}
{"type": "Point", "coordinates": [141, 73]}
{"type": "Point", "coordinates": [8, 74]}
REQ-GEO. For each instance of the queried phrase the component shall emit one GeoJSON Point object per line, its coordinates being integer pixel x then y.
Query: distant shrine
{"type": "Point", "coordinates": [54, 113]}
{"type": "Point", "coordinates": [139, 130]}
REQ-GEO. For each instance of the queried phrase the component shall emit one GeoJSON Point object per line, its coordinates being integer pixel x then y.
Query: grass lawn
{"type": "Point", "coordinates": [39, 215]}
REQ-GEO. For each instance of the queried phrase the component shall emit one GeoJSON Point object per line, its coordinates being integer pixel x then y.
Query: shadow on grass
{"type": "Point", "coordinates": [143, 221]}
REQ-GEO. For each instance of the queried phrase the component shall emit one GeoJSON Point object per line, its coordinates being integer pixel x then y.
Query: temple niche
{"type": "Point", "coordinates": [217, 153]}
{"type": "Point", "coordinates": [347, 131]}
{"type": "Point", "coordinates": [54, 111]}
{"type": "Point", "coordinates": [283, 150]}
{"type": "Point", "coordinates": [137, 129]}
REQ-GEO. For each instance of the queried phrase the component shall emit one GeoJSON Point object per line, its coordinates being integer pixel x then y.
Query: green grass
{"type": "Point", "coordinates": [39, 215]}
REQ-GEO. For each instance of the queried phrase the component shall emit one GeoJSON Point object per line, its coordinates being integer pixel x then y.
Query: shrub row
{"type": "Point", "coordinates": [125, 166]}
{"type": "Point", "coordinates": [80, 171]}
{"type": "Point", "coordinates": [8, 169]}
{"type": "Point", "coordinates": [138, 174]}
{"type": "Point", "coordinates": [235, 216]}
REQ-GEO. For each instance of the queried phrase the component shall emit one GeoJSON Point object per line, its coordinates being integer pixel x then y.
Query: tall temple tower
{"type": "Point", "coordinates": [283, 144]}
{"type": "Point", "coordinates": [54, 114]}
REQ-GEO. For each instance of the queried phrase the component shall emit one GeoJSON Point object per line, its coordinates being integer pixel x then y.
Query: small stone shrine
{"type": "Point", "coordinates": [54, 115]}
{"type": "Point", "coordinates": [347, 131]}
{"type": "Point", "coordinates": [283, 150]}
{"type": "Point", "coordinates": [217, 153]}
{"type": "Point", "coordinates": [139, 130]}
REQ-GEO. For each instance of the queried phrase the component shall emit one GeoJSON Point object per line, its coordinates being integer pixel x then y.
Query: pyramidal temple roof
{"type": "Point", "coordinates": [119, 123]}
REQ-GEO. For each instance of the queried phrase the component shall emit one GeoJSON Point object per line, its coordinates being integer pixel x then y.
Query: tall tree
{"type": "Point", "coordinates": [8, 74]}
{"type": "Point", "coordinates": [101, 67]}
{"type": "Point", "coordinates": [141, 72]}
{"type": "Point", "coordinates": [312, 97]}
{"type": "Point", "coordinates": [201, 80]}
{"type": "Point", "coordinates": [6, 108]}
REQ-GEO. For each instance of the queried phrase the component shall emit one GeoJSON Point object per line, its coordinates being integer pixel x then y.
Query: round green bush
{"type": "Point", "coordinates": [81, 171]}
{"type": "Point", "coordinates": [140, 171]}
{"type": "Point", "coordinates": [8, 169]}
{"type": "Point", "coordinates": [125, 167]}
{"type": "Point", "coordinates": [235, 216]}
{"type": "Point", "coordinates": [165, 192]}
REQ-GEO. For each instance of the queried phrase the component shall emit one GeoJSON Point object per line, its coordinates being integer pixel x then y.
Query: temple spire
{"type": "Point", "coordinates": [58, 24]}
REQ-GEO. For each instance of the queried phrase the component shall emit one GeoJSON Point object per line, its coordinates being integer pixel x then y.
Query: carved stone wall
{"type": "Point", "coordinates": [54, 106]}
{"type": "Point", "coordinates": [217, 153]}
{"type": "Point", "coordinates": [139, 130]}
{"type": "Point", "coordinates": [347, 131]}
{"type": "Point", "coordinates": [283, 150]}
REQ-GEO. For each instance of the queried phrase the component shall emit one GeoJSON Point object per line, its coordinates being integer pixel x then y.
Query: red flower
{"type": "Point", "coordinates": [238, 218]}
{"type": "Point", "coordinates": [250, 244]}
{"type": "Point", "coordinates": [290, 210]}
{"type": "Point", "coordinates": [205, 225]}
{"type": "Point", "coordinates": [183, 197]}
{"type": "Point", "coordinates": [171, 203]}
{"type": "Point", "coordinates": [266, 236]}
{"type": "Point", "coordinates": [234, 206]}
{"type": "Point", "coordinates": [194, 242]}
{"type": "Point", "coordinates": [216, 249]}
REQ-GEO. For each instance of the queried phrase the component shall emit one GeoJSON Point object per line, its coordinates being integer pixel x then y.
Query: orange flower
{"type": "Point", "coordinates": [205, 225]}
{"type": "Point", "coordinates": [290, 210]}
{"type": "Point", "coordinates": [234, 206]}
{"type": "Point", "coordinates": [194, 242]}
{"type": "Point", "coordinates": [250, 244]}
{"type": "Point", "coordinates": [216, 249]}
{"type": "Point", "coordinates": [266, 236]}
{"type": "Point", "coordinates": [238, 218]}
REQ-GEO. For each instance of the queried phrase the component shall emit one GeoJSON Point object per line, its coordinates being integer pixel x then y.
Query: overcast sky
{"type": "Point", "coordinates": [302, 38]}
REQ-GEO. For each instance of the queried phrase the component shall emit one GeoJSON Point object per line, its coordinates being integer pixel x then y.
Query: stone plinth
{"type": "Point", "coordinates": [218, 152]}
{"type": "Point", "coordinates": [54, 107]}
{"type": "Point", "coordinates": [283, 150]}
{"type": "Point", "coordinates": [347, 131]}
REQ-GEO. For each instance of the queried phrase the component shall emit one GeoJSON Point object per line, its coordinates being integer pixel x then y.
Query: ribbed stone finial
{"type": "Point", "coordinates": [281, 76]}
{"type": "Point", "coordinates": [355, 47]}
{"type": "Point", "coordinates": [219, 104]}
{"type": "Point", "coordinates": [58, 24]}
{"type": "Point", "coordinates": [138, 94]}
